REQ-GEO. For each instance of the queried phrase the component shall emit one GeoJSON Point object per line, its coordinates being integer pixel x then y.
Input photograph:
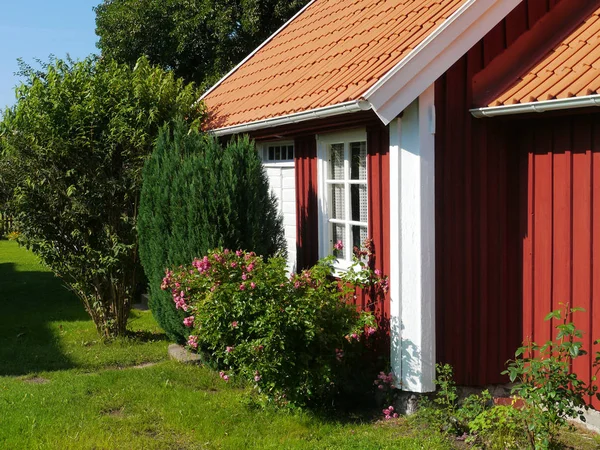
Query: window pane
{"type": "Point", "coordinates": [271, 153]}
{"type": "Point", "coordinates": [358, 195]}
{"type": "Point", "coordinates": [359, 234]}
{"type": "Point", "coordinates": [358, 155]}
{"type": "Point", "coordinates": [337, 202]}
{"type": "Point", "coordinates": [291, 152]}
{"type": "Point", "coordinates": [277, 154]}
{"type": "Point", "coordinates": [338, 233]}
{"type": "Point", "coordinates": [336, 161]}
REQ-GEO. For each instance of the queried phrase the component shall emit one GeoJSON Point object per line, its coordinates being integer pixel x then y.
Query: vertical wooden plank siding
{"type": "Point", "coordinates": [478, 293]}
{"type": "Point", "coordinates": [378, 175]}
{"type": "Point", "coordinates": [307, 225]}
{"type": "Point", "coordinates": [562, 211]}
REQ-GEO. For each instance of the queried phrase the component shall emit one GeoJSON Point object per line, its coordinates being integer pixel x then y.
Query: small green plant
{"type": "Point", "coordinates": [13, 236]}
{"type": "Point", "coordinates": [552, 393]}
{"type": "Point", "coordinates": [445, 412]}
{"type": "Point", "coordinates": [498, 428]}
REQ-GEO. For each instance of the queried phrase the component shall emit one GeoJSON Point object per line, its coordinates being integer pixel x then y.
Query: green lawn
{"type": "Point", "coordinates": [63, 388]}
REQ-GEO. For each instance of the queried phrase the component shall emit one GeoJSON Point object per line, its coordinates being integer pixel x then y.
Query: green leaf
{"type": "Point", "coordinates": [553, 315]}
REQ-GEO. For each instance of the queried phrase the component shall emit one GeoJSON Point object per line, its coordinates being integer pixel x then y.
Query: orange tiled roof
{"type": "Point", "coordinates": [331, 53]}
{"type": "Point", "coordinates": [570, 69]}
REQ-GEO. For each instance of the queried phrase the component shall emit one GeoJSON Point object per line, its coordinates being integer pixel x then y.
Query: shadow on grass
{"type": "Point", "coordinates": [28, 302]}
{"type": "Point", "coordinates": [146, 336]}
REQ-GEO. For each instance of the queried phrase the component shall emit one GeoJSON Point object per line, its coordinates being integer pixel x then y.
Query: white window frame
{"type": "Point", "coordinates": [325, 235]}
{"type": "Point", "coordinates": [264, 147]}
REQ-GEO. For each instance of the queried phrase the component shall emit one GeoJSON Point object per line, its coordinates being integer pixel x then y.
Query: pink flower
{"type": "Point", "coordinates": [395, 416]}
{"type": "Point", "coordinates": [233, 265]}
{"type": "Point", "coordinates": [238, 253]}
{"type": "Point", "coordinates": [250, 267]}
{"type": "Point", "coordinates": [377, 272]}
{"type": "Point", "coordinates": [355, 336]}
{"type": "Point", "coordinates": [193, 341]}
{"type": "Point", "coordinates": [253, 285]}
{"type": "Point", "coordinates": [370, 331]}
{"type": "Point", "coordinates": [297, 285]}
{"type": "Point", "coordinates": [226, 377]}
{"type": "Point", "coordinates": [339, 245]}
{"type": "Point", "coordinates": [242, 287]}
{"type": "Point", "coordinates": [256, 376]}
{"type": "Point", "coordinates": [339, 354]}
{"type": "Point", "coordinates": [226, 251]}
{"type": "Point", "coordinates": [229, 349]}
{"type": "Point", "coordinates": [189, 321]}
{"type": "Point", "coordinates": [244, 277]}
{"type": "Point", "coordinates": [234, 324]}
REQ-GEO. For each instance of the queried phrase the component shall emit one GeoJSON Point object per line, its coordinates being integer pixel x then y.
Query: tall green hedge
{"type": "Point", "coordinates": [197, 196]}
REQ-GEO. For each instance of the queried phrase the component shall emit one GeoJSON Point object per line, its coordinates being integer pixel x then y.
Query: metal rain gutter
{"type": "Point", "coordinates": [318, 113]}
{"type": "Point", "coordinates": [537, 107]}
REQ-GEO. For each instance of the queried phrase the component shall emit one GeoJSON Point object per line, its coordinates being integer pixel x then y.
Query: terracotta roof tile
{"type": "Point", "coordinates": [570, 69]}
{"type": "Point", "coordinates": [331, 53]}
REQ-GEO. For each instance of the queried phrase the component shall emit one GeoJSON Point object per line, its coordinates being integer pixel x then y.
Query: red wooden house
{"type": "Point", "coordinates": [463, 137]}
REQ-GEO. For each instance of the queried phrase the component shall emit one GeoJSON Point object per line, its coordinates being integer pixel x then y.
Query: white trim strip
{"type": "Point", "coordinates": [317, 113]}
{"type": "Point", "coordinates": [537, 107]}
{"type": "Point", "coordinates": [269, 39]}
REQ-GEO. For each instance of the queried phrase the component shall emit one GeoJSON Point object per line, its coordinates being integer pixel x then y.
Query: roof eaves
{"type": "Point", "coordinates": [218, 83]}
{"type": "Point", "coordinates": [434, 55]}
{"type": "Point", "coordinates": [317, 113]}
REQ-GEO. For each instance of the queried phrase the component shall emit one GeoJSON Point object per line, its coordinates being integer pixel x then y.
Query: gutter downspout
{"type": "Point", "coordinates": [537, 107]}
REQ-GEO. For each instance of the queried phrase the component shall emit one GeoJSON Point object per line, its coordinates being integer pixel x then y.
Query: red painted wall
{"type": "Point", "coordinates": [560, 226]}
{"type": "Point", "coordinates": [478, 260]}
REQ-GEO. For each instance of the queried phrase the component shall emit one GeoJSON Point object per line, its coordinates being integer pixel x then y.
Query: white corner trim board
{"type": "Point", "coordinates": [537, 107]}
{"type": "Point", "coordinates": [412, 240]}
{"type": "Point", "coordinates": [436, 54]}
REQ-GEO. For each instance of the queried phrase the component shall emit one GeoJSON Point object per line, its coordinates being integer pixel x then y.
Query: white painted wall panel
{"type": "Point", "coordinates": [283, 184]}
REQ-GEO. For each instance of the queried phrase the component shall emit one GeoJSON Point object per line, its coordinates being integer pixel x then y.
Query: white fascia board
{"type": "Point", "coordinates": [317, 113]}
{"type": "Point", "coordinates": [435, 55]}
{"type": "Point", "coordinates": [537, 107]}
{"type": "Point", "coordinates": [269, 39]}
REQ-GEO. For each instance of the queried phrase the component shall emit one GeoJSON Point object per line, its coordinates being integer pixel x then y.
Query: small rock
{"type": "Point", "coordinates": [181, 354]}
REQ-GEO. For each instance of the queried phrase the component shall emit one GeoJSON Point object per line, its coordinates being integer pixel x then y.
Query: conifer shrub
{"type": "Point", "coordinates": [198, 195]}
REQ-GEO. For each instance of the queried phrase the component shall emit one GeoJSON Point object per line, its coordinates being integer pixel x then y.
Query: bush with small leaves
{"type": "Point", "coordinates": [293, 337]}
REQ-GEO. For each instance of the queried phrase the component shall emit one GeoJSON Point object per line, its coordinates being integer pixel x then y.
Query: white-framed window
{"type": "Point", "coordinates": [343, 196]}
{"type": "Point", "coordinates": [277, 152]}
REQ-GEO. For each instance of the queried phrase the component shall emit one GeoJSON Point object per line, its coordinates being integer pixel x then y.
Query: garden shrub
{"type": "Point", "coordinates": [72, 152]}
{"type": "Point", "coordinates": [196, 196]}
{"type": "Point", "coordinates": [295, 338]}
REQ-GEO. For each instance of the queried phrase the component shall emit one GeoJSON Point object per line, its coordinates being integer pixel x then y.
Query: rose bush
{"type": "Point", "coordinates": [294, 337]}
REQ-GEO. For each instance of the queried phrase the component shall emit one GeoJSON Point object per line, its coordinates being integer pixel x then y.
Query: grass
{"type": "Point", "coordinates": [63, 388]}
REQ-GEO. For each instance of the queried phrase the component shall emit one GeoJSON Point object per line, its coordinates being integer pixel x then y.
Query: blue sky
{"type": "Point", "coordinates": [37, 28]}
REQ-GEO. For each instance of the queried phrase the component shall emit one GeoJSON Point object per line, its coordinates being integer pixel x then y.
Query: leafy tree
{"type": "Point", "coordinates": [75, 145]}
{"type": "Point", "coordinates": [199, 40]}
{"type": "Point", "coordinates": [197, 196]}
